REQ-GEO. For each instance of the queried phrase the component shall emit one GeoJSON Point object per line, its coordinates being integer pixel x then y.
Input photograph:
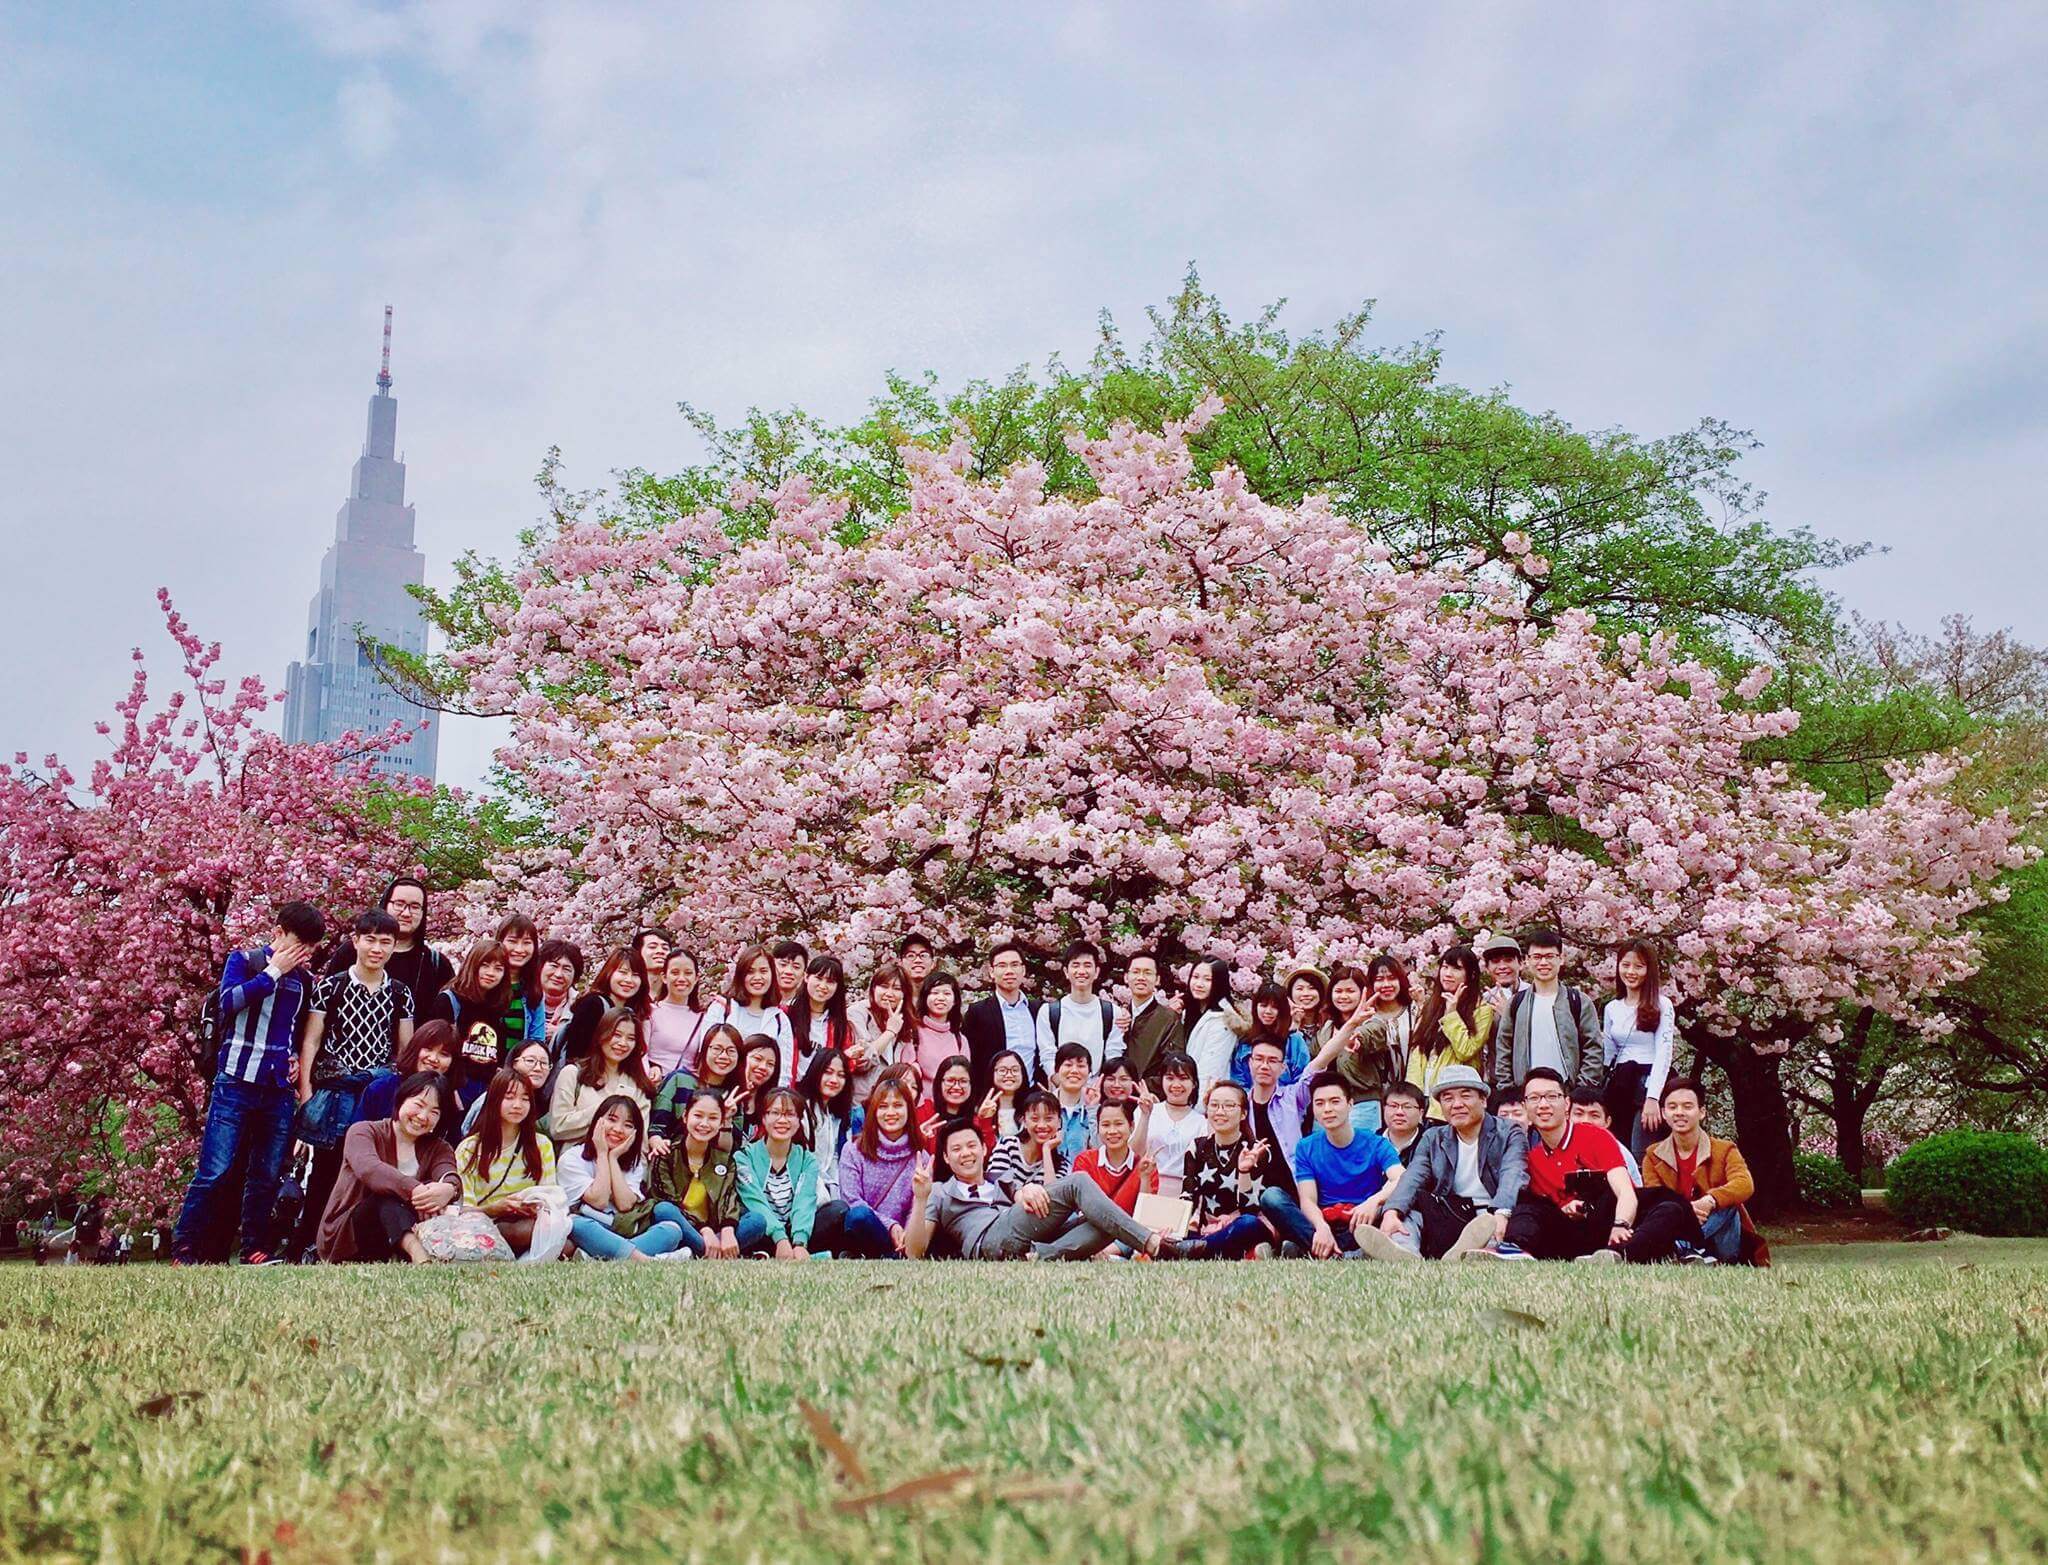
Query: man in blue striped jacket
{"type": "Point", "coordinates": [262, 999]}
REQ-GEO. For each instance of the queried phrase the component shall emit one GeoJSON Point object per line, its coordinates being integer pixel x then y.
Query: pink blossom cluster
{"type": "Point", "coordinates": [122, 894]}
{"type": "Point", "coordinates": [1176, 714]}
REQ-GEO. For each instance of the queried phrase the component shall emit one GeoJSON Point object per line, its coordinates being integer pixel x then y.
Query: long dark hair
{"type": "Point", "coordinates": [838, 1030]}
{"type": "Point", "coordinates": [529, 975]}
{"type": "Point", "coordinates": [736, 994]}
{"type": "Point", "coordinates": [1219, 988]}
{"type": "Point", "coordinates": [1270, 993]}
{"type": "Point", "coordinates": [739, 1053]}
{"type": "Point", "coordinates": [601, 985]}
{"type": "Point", "coordinates": [938, 977]}
{"type": "Point", "coordinates": [424, 1037]}
{"type": "Point", "coordinates": [495, 1002]}
{"type": "Point", "coordinates": [952, 1063]}
{"type": "Point", "coordinates": [633, 1067]}
{"type": "Point", "coordinates": [841, 1102]}
{"type": "Point", "coordinates": [1649, 1005]}
{"type": "Point", "coordinates": [631, 1155]}
{"type": "Point", "coordinates": [490, 1126]}
{"type": "Point", "coordinates": [1429, 1036]}
{"type": "Point", "coordinates": [756, 1043]}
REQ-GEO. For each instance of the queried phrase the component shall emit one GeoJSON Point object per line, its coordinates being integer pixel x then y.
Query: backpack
{"type": "Point", "coordinates": [1573, 998]}
{"type": "Point", "coordinates": [1108, 1024]}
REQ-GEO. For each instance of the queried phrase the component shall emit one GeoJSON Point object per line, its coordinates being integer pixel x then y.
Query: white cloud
{"type": "Point", "coordinates": [369, 111]}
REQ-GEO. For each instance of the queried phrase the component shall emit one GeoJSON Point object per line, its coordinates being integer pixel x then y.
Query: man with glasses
{"type": "Point", "coordinates": [1548, 1022]}
{"type": "Point", "coordinates": [424, 971]}
{"type": "Point", "coordinates": [1579, 1204]}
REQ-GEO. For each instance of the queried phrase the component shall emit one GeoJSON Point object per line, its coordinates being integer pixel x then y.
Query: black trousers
{"type": "Point", "coordinates": [381, 1223]}
{"type": "Point", "coordinates": [1662, 1220]}
{"type": "Point", "coordinates": [319, 1186]}
{"type": "Point", "coordinates": [1443, 1218]}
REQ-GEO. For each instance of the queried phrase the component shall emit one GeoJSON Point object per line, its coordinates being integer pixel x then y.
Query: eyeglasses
{"type": "Point", "coordinates": [1543, 1097]}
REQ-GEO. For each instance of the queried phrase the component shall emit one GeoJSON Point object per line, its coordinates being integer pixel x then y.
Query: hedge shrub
{"type": "Point", "coordinates": [1987, 1182]}
{"type": "Point", "coordinates": [1824, 1185]}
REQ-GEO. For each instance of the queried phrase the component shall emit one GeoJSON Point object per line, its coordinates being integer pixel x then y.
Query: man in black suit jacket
{"type": "Point", "coordinates": [1006, 1019]}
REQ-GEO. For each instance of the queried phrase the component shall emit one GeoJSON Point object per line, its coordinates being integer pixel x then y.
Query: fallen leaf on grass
{"type": "Point", "coordinates": [312, 1344]}
{"type": "Point", "coordinates": [1964, 1266]}
{"type": "Point", "coordinates": [1001, 1361]}
{"type": "Point", "coordinates": [928, 1486]}
{"type": "Point", "coordinates": [836, 1445]}
{"type": "Point", "coordinates": [157, 1407]}
{"type": "Point", "coordinates": [1040, 1489]}
{"type": "Point", "coordinates": [1507, 1317]}
{"type": "Point", "coordinates": [287, 1533]}
{"type": "Point", "coordinates": [882, 1287]}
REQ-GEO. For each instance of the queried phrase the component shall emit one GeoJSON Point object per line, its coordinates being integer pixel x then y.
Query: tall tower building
{"type": "Point", "coordinates": [363, 581]}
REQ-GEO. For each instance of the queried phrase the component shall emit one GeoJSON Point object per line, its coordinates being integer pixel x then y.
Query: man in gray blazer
{"type": "Point", "coordinates": [1454, 1199]}
{"type": "Point", "coordinates": [1548, 1022]}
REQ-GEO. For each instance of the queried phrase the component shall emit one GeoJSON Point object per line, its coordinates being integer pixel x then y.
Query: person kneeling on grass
{"type": "Point", "coordinates": [393, 1173]}
{"type": "Point", "coordinates": [1707, 1173]}
{"type": "Point", "coordinates": [508, 1160]}
{"type": "Point", "coordinates": [1460, 1186]}
{"type": "Point", "coordinates": [1579, 1204]}
{"type": "Point", "coordinates": [696, 1184]}
{"type": "Point", "coordinates": [1068, 1220]}
{"type": "Point", "coordinates": [602, 1177]}
{"type": "Point", "coordinates": [1342, 1175]}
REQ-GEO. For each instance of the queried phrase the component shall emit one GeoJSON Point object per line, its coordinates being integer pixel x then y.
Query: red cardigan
{"type": "Point", "coordinates": [1121, 1188]}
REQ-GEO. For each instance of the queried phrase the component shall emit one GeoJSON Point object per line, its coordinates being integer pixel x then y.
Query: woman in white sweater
{"type": "Point", "coordinates": [1638, 1028]}
{"type": "Point", "coordinates": [1215, 1024]}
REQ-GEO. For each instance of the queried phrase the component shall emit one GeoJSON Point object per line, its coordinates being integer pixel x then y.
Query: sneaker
{"type": "Point", "coordinates": [1290, 1251]}
{"type": "Point", "coordinates": [1376, 1246]}
{"type": "Point", "coordinates": [1688, 1256]}
{"type": "Point", "coordinates": [1599, 1258]}
{"type": "Point", "coordinates": [674, 1255]}
{"type": "Point", "coordinates": [262, 1258]}
{"type": "Point", "coordinates": [1262, 1251]}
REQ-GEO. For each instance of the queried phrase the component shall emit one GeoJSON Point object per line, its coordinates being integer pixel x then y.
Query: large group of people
{"type": "Point", "coordinates": [521, 1102]}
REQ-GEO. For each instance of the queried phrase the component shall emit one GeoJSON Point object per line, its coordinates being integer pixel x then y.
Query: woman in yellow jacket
{"type": "Point", "coordinates": [1454, 1026]}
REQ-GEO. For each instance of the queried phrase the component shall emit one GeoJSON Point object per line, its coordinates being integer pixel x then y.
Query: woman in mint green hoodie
{"type": "Point", "coordinates": [778, 1183]}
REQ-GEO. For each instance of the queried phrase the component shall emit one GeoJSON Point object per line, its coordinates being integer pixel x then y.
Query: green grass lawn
{"type": "Point", "coordinates": [1241, 1412]}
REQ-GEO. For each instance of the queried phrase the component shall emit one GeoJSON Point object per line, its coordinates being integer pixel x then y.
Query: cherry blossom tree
{"type": "Point", "coordinates": [1175, 715]}
{"type": "Point", "coordinates": [120, 894]}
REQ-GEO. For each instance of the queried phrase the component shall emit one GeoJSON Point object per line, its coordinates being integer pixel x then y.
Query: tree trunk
{"type": "Point", "coordinates": [1850, 1107]}
{"type": "Point", "coordinates": [1763, 1127]}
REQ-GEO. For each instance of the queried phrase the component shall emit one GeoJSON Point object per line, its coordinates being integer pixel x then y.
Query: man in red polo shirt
{"type": "Point", "coordinates": [1579, 1204]}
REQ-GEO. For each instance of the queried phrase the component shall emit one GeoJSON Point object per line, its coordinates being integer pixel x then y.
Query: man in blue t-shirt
{"type": "Point", "coordinates": [1342, 1175]}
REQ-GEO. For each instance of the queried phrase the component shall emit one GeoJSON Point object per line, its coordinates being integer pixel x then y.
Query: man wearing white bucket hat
{"type": "Point", "coordinates": [1460, 1184]}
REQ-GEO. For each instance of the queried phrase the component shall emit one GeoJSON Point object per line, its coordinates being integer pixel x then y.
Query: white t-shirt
{"type": "Point", "coordinates": [1544, 1048]}
{"type": "Point", "coordinates": [774, 1022]}
{"type": "Point", "coordinates": [1167, 1140]}
{"type": "Point", "coordinates": [1627, 1044]}
{"type": "Point", "coordinates": [1080, 1022]}
{"type": "Point", "coordinates": [1466, 1181]}
{"type": "Point", "coordinates": [575, 1172]}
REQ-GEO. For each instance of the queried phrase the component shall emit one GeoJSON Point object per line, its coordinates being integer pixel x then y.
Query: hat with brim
{"type": "Point", "coordinates": [1457, 1076]}
{"type": "Point", "coordinates": [1501, 945]}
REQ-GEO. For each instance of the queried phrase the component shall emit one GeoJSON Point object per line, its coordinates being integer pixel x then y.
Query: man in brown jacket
{"type": "Point", "coordinates": [1709, 1175]}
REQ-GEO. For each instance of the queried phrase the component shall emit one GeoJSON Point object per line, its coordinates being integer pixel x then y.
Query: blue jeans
{"type": "Point", "coordinates": [594, 1238]}
{"type": "Point", "coordinates": [1724, 1234]}
{"type": "Point", "coordinates": [1238, 1238]}
{"type": "Point", "coordinates": [752, 1233]}
{"type": "Point", "coordinates": [1365, 1116]}
{"type": "Point", "coordinates": [1290, 1222]}
{"type": "Point", "coordinates": [244, 1123]}
{"type": "Point", "coordinates": [693, 1236]}
{"type": "Point", "coordinates": [864, 1236]}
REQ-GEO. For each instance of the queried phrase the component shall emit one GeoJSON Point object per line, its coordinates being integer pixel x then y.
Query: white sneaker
{"type": "Point", "coordinates": [1599, 1258]}
{"type": "Point", "coordinates": [1376, 1246]}
{"type": "Point", "coordinates": [1263, 1252]}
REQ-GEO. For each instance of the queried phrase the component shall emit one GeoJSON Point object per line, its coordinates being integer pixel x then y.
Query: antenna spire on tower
{"type": "Point", "coordinates": [384, 374]}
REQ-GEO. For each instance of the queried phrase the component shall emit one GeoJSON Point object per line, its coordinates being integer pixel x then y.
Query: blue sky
{"type": "Point", "coordinates": [1824, 224]}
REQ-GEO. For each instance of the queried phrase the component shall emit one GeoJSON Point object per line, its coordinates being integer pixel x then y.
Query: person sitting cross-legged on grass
{"type": "Point", "coordinates": [393, 1173]}
{"type": "Point", "coordinates": [508, 1160]}
{"type": "Point", "coordinates": [1226, 1175]}
{"type": "Point", "coordinates": [696, 1184]}
{"type": "Point", "coordinates": [603, 1176]}
{"type": "Point", "coordinates": [874, 1174]}
{"type": "Point", "coordinates": [1707, 1173]}
{"type": "Point", "coordinates": [1458, 1189]}
{"type": "Point", "coordinates": [1067, 1220]}
{"type": "Point", "coordinates": [1342, 1175]}
{"type": "Point", "coordinates": [779, 1188]}
{"type": "Point", "coordinates": [1579, 1204]}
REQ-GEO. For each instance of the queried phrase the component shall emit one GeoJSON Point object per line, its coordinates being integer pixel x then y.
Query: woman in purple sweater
{"type": "Point", "coordinates": [874, 1175]}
